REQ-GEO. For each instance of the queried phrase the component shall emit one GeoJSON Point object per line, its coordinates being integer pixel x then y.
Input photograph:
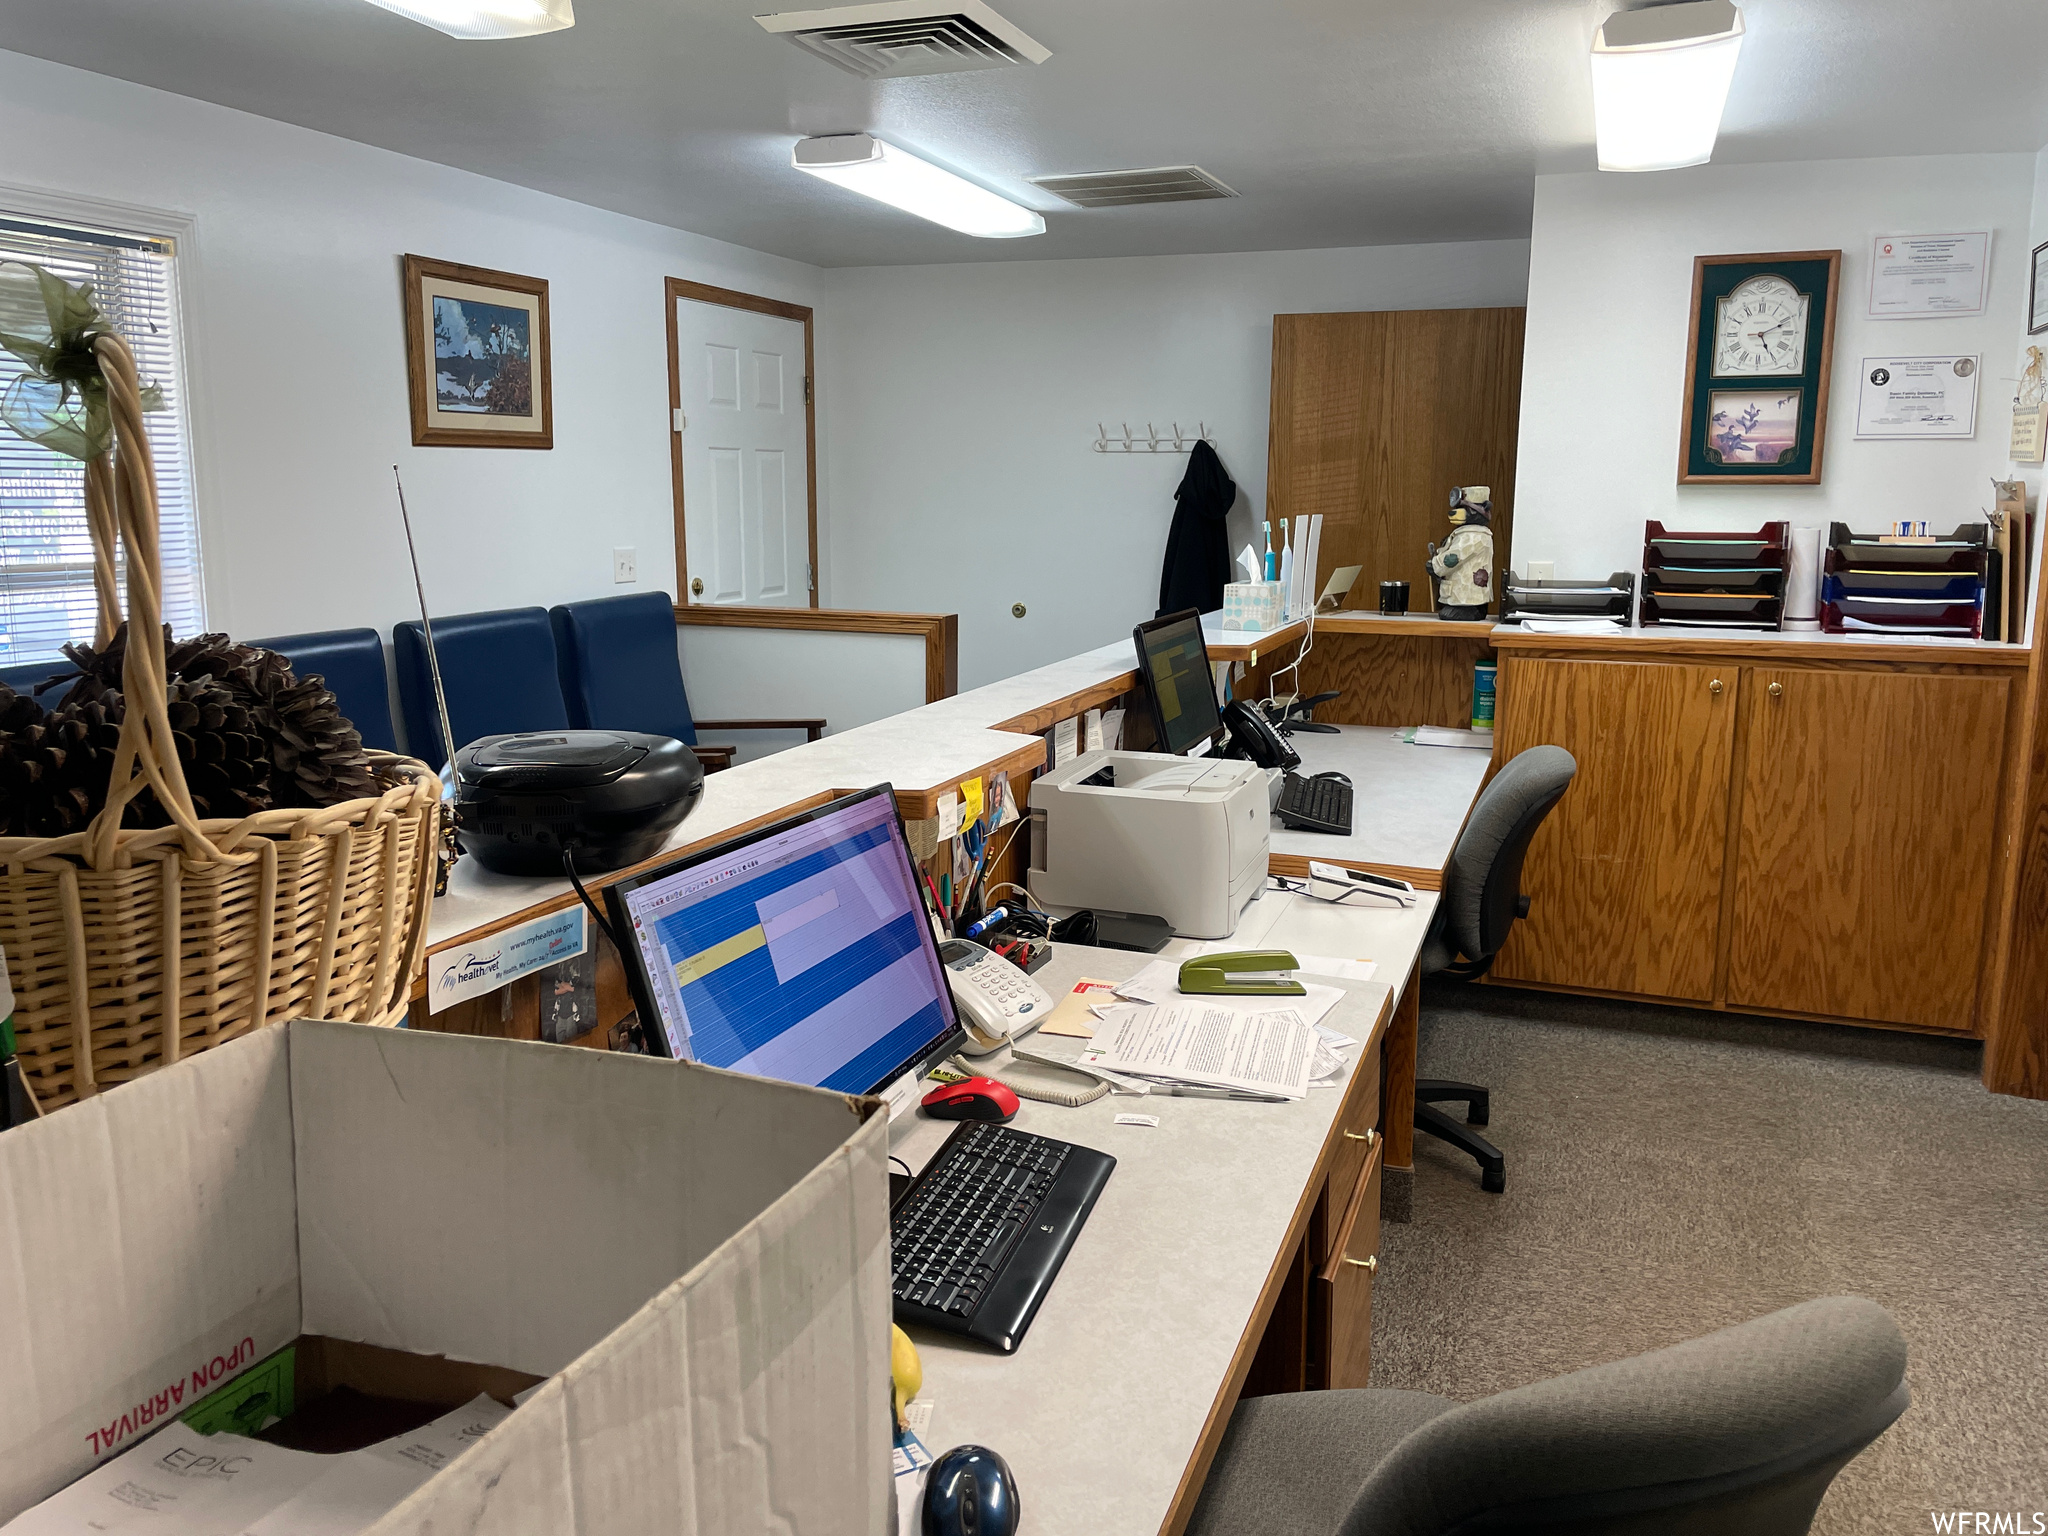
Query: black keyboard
{"type": "Point", "coordinates": [1320, 804]}
{"type": "Point", "coordinates": [978, 1236]}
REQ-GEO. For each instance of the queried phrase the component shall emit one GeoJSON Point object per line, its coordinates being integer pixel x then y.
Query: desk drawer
{"type": "Point", "coordinates": [1343, 1288]}
{"type": "Point", "coordinates": [1357, 1143]}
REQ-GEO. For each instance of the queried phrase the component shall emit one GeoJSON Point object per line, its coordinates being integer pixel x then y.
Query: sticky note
{"type": "Point", "coordinates": [970, 794]}
{"type": "Point", "coordinates": [949, 815]}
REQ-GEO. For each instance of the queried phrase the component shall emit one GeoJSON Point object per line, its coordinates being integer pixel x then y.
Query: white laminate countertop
{"type": "Point", "coordinates": [1408, 804]}
{"type": "Point", "coordinates": [1100, 1408]}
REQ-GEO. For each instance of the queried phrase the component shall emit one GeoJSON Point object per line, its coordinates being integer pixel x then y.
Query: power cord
{"type": "Point", "coordinates": [603, 926]}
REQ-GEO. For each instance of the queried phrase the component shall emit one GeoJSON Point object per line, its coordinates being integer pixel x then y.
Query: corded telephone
{"type": "Point", "coordinates": [996, 1001]}
{"type": "Point", "coordinates": [1252, 737]}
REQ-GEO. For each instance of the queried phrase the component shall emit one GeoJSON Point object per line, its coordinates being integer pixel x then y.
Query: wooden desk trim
{"type": "Point", "coordinates": [1269, 641]}
{"type": "Point", "coordinates": [1416, 626]}
{"type": "Point", "coordinates": [1657, 643]}
{"type": "Point", "coordinates": [1196, 1472]}
{"type": "Point", "coordinates": [941, 632]}
{"type": "Point", "coordinates": [1046, 716]}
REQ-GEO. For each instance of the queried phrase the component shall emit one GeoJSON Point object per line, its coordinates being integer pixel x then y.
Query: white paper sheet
{"type": "Point", "coordinates": [1448, 736]}
{"type": "Point", "coordinates": [1159, 983]}
{"type": "Point", "coordinates": [178, 1482]}
{"type": "Point", "coordinates": [356, 1490]}
{"type": "Point", "coordinates": [1307, 965]}
{"type": "Point", "coordinates": [1272, 1052]}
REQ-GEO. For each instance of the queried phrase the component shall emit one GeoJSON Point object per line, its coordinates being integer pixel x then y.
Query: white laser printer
{"type": "Point", "coordinates": [1184, 838]}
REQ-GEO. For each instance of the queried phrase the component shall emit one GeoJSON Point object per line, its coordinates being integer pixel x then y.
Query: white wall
{"type": "Point", "coordinates": [298, 357]}
{"type": "Point", "coordinates": [795, 674]}
{"type": "Point", "coordinates": [1610, 285]}
{"type": "Point", "coordinates": [965, 399]}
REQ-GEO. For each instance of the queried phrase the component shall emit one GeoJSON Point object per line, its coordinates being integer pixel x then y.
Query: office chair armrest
{"type": "Point", "coordinates": [815, 728]}
{"type": "Point", "coordinates": [714, 758]}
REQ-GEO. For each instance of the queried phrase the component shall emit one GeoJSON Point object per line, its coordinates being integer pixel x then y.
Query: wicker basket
{"type": "Point", "coordinates": [128, 949]}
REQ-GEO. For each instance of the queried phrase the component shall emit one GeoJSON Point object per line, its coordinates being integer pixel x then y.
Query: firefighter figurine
{"type": "Point", "coordinates": [1463, 563]}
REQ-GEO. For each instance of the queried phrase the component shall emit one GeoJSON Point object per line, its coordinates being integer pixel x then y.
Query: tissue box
{"type": "Point", "coordinates": [1254, 605]}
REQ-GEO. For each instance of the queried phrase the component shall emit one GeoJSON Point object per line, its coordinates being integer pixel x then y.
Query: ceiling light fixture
{"type": "Point", "coordinates": [1660, 80]}
{"type": "Point", "coordinates": [477, 20]}
{"type": "Point", "coordinates": [862, 163]}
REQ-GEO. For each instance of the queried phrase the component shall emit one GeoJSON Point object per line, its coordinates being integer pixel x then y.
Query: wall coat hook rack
{"type": "Point", "coordinates": [1152, 441]}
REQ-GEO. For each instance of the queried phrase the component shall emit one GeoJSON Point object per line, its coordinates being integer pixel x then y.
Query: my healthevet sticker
{"type": "Point", "coordinates": [470, 970]}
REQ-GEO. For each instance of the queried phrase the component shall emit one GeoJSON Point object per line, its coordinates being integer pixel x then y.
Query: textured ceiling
{"type": "Point", "coordinates": [1341, 122]}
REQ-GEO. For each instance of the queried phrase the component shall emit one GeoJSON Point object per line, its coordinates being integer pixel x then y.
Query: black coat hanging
{"type": "Point", "coordinates": [1198, 544]}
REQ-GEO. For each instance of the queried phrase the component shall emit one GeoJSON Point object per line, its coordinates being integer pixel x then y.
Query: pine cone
{"type": "Point", "coordinates": [227, 762]}
{"type": "Point", "coordinates": [315, 753]}
{"type": "Point", "coordinates": [47, 765]}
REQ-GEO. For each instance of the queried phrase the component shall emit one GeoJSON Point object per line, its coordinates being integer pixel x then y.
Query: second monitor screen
{"type": "Point", "coordinates": [1183, 692]}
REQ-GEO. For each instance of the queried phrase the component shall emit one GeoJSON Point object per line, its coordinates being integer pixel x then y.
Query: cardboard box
{"type": "Point", "coordinates": [698, 1260]}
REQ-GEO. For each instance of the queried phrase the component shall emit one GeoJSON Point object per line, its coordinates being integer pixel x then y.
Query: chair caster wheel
{"type": "Point", "coordinates": [1493, 1180]}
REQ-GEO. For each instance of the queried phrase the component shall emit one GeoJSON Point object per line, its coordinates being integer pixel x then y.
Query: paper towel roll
{"type": "Point", "coordinates": [1802, 580]}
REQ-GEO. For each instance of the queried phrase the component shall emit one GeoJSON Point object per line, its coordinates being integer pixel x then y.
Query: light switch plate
{"type": "Point", "coordinates": [1539, 570]}
{"type": "Point", "coordinates": [625, 565]}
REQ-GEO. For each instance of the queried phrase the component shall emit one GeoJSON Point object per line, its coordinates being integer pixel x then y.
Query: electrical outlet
{"type": "Point", "coordinates": [1539, 570]}
{"type": "Point", "coordinates": [625, 565]}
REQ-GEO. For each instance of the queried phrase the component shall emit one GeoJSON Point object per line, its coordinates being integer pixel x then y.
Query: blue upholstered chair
{"type": "Point", "coordinates": [498, 670]}
{"type": "Point", "coordinates": [620, 671]}
{"type": "Point", "coordinates": [23, 680]}
{"type": "Point", "coordinates": [352, 663]}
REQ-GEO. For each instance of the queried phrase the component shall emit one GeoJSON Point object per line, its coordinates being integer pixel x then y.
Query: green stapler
{"type": "Point", "coordinates": [1237, 974]}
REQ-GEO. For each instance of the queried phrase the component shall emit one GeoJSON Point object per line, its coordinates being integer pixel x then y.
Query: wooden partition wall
{"type": "Point", "coordinates": [1375, 416]}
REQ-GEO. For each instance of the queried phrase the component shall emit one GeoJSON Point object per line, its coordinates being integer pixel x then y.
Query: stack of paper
{"type": "Point", "coordinates": [1271, 1052]}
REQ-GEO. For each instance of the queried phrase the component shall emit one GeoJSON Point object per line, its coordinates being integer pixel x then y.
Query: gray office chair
{"type": "Point", "coordinates": [1481, 899]}
{"type": "Point", "coordinates": [1737, 1432]}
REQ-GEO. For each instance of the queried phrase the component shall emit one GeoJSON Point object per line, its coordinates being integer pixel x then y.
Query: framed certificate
{"type": "Point", "coordinates": [2037, 292]}
{"type": "Point", "coordinates": [1917, 277]}
{"type": "Point", "coordinates": [1918, 397]}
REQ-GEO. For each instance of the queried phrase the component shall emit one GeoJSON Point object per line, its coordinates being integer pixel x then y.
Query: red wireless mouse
{"type": "Point", "coordinates": [979, 1098]}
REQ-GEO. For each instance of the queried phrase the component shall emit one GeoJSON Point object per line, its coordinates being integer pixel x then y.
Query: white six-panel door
{"type": "Point", "coordinates": [745, 456]}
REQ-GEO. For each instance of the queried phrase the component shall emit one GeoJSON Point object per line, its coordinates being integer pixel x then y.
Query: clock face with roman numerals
{"type": "Point", "coordinates": [1760, 330]}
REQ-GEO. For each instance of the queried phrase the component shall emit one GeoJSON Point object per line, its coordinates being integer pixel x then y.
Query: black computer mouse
{"type": "Point", "coordinates": [969, 1492]}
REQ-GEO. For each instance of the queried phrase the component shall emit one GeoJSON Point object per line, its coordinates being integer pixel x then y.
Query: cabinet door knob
{"type": "Point", "coordinates": [1370, 1266]}
{"type": "Point", "coordinates": [1777, 690]}
{"type": "Point", "coordinates": [696, 586]}
{"type": "Point", "coordinates": [1368, 1137]}
{"type": "Point", "coordinates": [1715, 686]}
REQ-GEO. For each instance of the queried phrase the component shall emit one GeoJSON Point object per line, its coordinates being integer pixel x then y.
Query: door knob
{"type": "Point", "coordinates": [696, 586]}
{"type": "Point", "coordinates": [1777, 690]}
{"type": "Point", "coordinates": [1370, 1266]}
{"type": "Point", "coordinates": [1714, 687]}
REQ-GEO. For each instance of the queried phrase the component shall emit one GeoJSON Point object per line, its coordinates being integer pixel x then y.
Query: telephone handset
{"type": "Point", "coordinates": [1252, 736]}
{"type": "Point", "coordinates": [995, 1000]}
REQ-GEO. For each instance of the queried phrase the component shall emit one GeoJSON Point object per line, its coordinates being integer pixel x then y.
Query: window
{"type": "Point", "coordinates": [46, 595]}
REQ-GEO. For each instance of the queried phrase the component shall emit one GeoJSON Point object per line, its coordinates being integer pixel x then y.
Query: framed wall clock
{"type": "Point", "coordinates": [1756, 368]}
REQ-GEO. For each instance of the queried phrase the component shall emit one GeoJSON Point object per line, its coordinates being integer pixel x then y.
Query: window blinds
{"type": "Point", "coordinates": [46, 596]}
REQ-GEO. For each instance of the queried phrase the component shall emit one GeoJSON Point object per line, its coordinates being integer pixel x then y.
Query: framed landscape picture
{"type": "Point", "coordinates": [1757, 366]}
{"type": "Point", "coordinates": [477, 357]}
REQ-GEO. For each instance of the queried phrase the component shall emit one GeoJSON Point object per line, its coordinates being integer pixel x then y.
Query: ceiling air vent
{"type": "Point", "coordinates": [908, 37]}
{"type": "Point", "coordinates": [1120, 189]}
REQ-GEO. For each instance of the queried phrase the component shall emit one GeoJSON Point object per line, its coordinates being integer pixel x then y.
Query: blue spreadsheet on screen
{"type": "Point", "coordinates": [803, 955]}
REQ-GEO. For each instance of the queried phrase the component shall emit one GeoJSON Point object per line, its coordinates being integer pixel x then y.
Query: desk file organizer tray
{"type": "Point", "coordinates": [1595, 598]}
{"type": "Point", "coordinates": [1935, 587]}
{"type": "Point", "coordinates": [1706, 579]}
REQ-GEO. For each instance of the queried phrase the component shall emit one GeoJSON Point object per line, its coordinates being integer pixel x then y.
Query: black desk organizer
{"type": "Point", "coordinates": [1521, 599]}
{"type": "Point", "coordinates": [1714, 580]}
{"type": "Point", "coordinates": [1920, 589]}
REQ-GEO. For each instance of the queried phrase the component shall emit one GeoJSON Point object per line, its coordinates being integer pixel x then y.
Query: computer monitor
{"type": "Point", "coordinates": [800, 951]}
{"type": "Point", "coordinates": [1174, 661]}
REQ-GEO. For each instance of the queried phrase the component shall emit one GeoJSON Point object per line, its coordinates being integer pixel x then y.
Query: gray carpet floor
{"type": "Point", "coordinates": [1671, 1172]}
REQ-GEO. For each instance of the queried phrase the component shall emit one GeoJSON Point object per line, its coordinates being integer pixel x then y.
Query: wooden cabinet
{"type": "Point", "coordinates": [1375, 416]}
{"type": "Point", "coordinates": [1863, 866]}
{"type": "Point", "coordinates": [1624, 877]}
{"type": "Point", "coordinates": [1759, 831]}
